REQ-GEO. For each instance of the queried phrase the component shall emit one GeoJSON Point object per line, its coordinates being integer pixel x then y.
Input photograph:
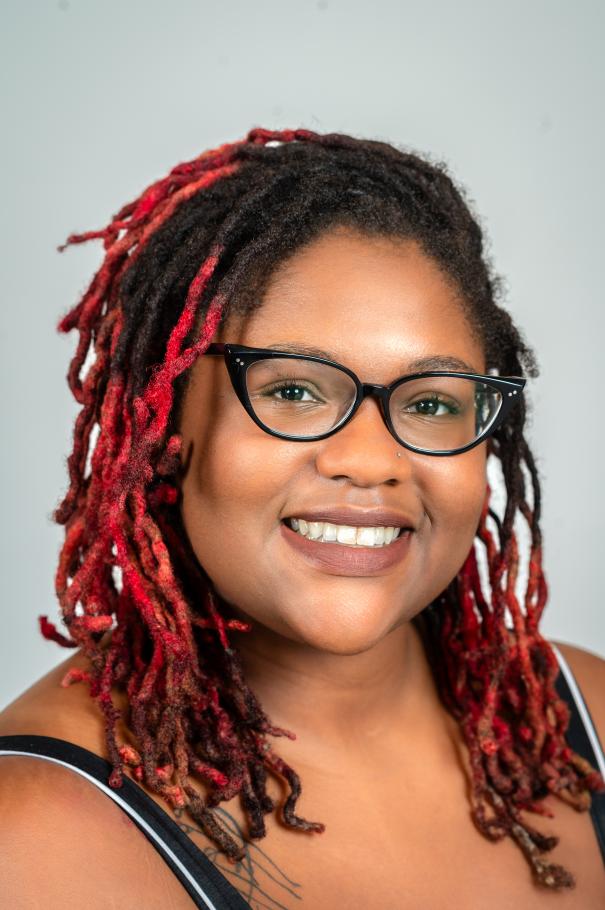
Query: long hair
{"type": "Point", "coordinates": [194, 247]}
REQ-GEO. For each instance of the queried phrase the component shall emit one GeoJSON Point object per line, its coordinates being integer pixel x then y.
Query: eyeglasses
{"type": "Point", "coordinates": [303, 398]}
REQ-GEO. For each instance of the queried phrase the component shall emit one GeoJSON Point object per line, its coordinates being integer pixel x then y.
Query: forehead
{"type": "Point", "coordinates": [376, 304]}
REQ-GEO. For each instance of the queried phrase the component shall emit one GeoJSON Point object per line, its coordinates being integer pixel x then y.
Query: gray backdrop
{"type": "Point", "coordinates": [102, 98]}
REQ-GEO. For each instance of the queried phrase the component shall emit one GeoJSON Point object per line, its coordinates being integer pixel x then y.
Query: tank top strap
{"type": "Point", "coordinates": [205, 884]}
{"type": "Point", "coordinates": [583, 738]}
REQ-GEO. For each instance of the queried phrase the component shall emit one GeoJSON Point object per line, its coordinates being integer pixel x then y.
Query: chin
{"type": "Point", "coordinates": [333, 623]}
{"type": "Point", "coordinates": [347, 628]}
{"type": "Point", "coordinates": [344, 648]}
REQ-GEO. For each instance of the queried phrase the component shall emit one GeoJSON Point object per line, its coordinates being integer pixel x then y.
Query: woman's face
{"type": "Point", "coordinates": [377, 306]}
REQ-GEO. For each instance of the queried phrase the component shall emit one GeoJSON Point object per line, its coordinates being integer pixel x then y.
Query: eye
{"type": "Point", "coordinates": [433, 407]}
{"type": "Point", "coordinates": [291, 392]}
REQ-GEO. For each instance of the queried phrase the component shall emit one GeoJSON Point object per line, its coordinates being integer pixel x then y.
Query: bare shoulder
{"type": "Point", "coordinates": [64, 844]}
{"type": "Point", "coordinates": [42, 814]}
{"type": "Point", "coordinates": [589, 671]}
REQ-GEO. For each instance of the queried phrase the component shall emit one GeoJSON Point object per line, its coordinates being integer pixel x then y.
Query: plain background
{"type": "Point", "coordinates": [102, 98]}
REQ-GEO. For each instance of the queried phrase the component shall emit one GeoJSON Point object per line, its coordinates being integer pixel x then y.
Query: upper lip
{"type": "Point", "coordinates": [359, 518]}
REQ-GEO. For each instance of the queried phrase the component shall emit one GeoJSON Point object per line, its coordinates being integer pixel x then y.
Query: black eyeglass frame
{"type": "Point", "coordinates": [238, 358]}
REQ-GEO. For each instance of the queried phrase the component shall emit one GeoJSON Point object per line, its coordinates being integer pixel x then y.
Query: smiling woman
{"type": "Point", "coordinates": [282, 553]}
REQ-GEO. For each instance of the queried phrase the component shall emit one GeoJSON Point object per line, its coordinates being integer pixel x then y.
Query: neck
{"type": "Point", "coordinates": [343, 704]}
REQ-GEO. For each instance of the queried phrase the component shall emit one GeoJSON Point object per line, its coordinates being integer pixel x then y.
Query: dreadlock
{"type": "Point", "coordinates": [195, 247]}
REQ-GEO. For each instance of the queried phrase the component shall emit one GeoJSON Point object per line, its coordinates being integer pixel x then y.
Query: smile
{"type": "Point", "coordinates": [342, 558]}
{"type": "Point", "coordinates": [327, 532]}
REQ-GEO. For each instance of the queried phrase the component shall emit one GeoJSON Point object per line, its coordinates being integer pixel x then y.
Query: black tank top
{"type": "Point", "coordinates": [205, 884]}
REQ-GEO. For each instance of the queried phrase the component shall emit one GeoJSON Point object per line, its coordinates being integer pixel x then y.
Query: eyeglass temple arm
{"type": "Point", "coordinates": [215, 348]}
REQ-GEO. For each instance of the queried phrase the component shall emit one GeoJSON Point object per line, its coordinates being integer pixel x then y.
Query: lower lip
{"type": "Point", "coordinates": [342, 560]}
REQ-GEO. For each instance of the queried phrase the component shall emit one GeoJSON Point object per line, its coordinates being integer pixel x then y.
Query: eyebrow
{"type": "Point", "coordinates": [435, 362]}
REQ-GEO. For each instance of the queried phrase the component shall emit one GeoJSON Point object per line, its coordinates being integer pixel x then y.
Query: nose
{"type": "Point", "coordinates": [364, 451]}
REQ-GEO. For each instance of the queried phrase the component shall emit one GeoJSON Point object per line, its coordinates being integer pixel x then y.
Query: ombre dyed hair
{"type": "Point", "coordinates": [196, 246]}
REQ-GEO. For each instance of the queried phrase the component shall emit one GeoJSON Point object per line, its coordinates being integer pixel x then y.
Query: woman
{"type": "Point", "coordinates": [283, 567]}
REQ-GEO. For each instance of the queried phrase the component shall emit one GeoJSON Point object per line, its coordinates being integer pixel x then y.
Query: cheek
{"type": "Point", "coordinates": [453, 491]}
{"type": "Point", "coordinates": [239, 476]}
{"type": "Point", "coordinates": [232, 498]}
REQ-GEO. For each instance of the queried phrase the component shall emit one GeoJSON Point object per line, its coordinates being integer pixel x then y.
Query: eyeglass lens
{"type": "Point", "coordinates": [302, 398]}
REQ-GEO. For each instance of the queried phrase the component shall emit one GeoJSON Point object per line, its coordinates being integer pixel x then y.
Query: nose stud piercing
{"type": "Point", "coordinates": [398, 454]}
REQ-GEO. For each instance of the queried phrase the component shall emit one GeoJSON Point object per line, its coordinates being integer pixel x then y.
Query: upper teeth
{"type": "Point", "coordinates": [325, 532]}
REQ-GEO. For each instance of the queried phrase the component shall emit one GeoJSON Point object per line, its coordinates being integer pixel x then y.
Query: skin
{"type": "Point", "coordinates": [375, 305]}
